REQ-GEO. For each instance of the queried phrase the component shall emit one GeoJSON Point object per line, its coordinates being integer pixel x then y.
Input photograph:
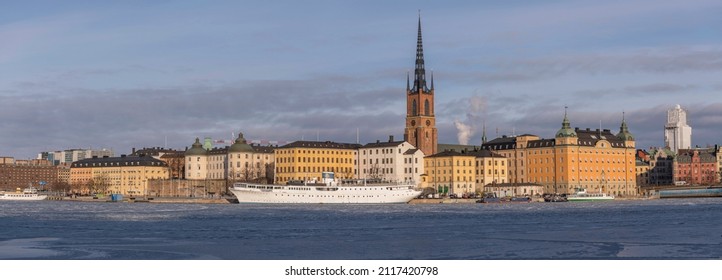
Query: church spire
{"type": "Point", "coordinates": [419, 71]}
{"type": "Point", "coordinates": [483, 134]}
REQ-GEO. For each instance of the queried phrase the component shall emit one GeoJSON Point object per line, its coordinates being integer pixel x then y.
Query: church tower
{"type": "Point", "coordinates": [420, 120]}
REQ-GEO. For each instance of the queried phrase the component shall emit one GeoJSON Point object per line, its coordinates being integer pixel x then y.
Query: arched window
{"type": "Point", "coordinates": [413, 108]}
{"type": "Point", "coordinates": [426, 107]}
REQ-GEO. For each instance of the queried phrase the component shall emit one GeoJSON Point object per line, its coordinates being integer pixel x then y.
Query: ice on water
{"type": "Point", "coordinates": [654, 229]}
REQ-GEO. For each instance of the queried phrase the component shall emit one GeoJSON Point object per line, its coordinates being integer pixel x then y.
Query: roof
{"type": "Point", "coordinates": [410, 151]}
{"type": "Point", "coordinates": [263, 149]}
{"type": "Point", "coordinates": [450, 153]}
{"type": "Point", "coordinates": [589, 137]}
{"type": "Point", "coordinates": [380, 144]}
{"type": "Point", "coordinates": [240, 145]}
{"type": "Point", "coordinates": [458, 147]}
{"type": "Point", "coordinates": [320, 145]}
{"type": "Point", "coordinates": [118, 161]}
{"type": "Point", "coordinates": [502, 143]}
{"type": "Point", "coordinates": [196, 149]}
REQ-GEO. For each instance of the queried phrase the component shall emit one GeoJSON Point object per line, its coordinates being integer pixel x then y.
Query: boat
{"type": "Point", "coordinates": [555, 197]}
{"type": "Point", "coordinates": [489, 198]}
{"type": "Point", "coordinates": [328, 190]}
{"type": "Point", "coordinates": [29, 193]}
{"type": "Point", "coordinates": [583, 195]}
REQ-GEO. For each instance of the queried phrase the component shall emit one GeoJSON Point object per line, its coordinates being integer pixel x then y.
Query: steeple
{"type": "Point", "coordinates": [483, 134]}
{"type": "Point", "coordinates": [624, 131]}
{"type": "Point", "coordinates": [408, 87]}
{"type": "Point", "coordinates": [566, 130]}
{"type": "Point", "coordinates": [419, 71]}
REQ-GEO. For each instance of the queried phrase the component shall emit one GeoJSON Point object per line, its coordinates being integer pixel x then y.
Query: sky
{"type": "Point", "coordinates": [125, 74]}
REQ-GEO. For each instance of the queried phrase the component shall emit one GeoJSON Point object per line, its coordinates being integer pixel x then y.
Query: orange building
{"type": "Point", "coordinates": [595, 160]}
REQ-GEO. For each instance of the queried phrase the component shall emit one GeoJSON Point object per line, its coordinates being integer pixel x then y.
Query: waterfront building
{"type": "Point", "coordinates": [238, 162]}
{"type": "Point", "coordinates": [305, 160]}
{"type": "Point", "coordinates": [677, 134]}
{"type": "Point", "coordinates": [491, 168]}
{"type": "Point", "coordinates": [451, 172]}
{"type": "Point", "coordinates": [661, 166]}
{"type": "Point", "coordinates": [250, 163]}
{"type": "Point", "coordinates": [392, 161]}
{"type": "Point", "coordinates": [595, 160]}
{"type": "Point", "coordinates": [420, 129]}
{"type": "Point", "coordinates": [127, 175]}
{"type": "Point", "coordinates": [642, 171]}
{"type": "Point", "coordinates": [174, 158]}
{"type": "Point", "coordinates": [514, 190]}
{"type": "Point", "coordinates": [695, 166]}
{"type": "Point", "coordinates": [16, 174]}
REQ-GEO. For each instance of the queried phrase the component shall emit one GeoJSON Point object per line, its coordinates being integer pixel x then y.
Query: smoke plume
{"type": "Point", "coordinates": [464, 133]}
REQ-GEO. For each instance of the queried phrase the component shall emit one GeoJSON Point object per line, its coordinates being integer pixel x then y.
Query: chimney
{"type": "Point", "coordinates": [133, 151]}
{"type": "Point", "coordinates": [391, 138]}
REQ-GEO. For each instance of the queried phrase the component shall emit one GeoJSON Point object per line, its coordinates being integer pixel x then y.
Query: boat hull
{"type": "Point", "coordinates": [310, 194]}
{"type": "Point", "coordinates": [24, 197]}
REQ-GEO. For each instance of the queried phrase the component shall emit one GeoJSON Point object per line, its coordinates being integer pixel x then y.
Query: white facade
{"type": "Point", "coordinates": [391, 161]}
{"type": "Point", "coordinates": [73, 155]}
{"type": "Point", "coordinates": [677, 134]}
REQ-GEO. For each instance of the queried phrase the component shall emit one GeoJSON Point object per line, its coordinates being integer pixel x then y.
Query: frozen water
{"type": "Point", "coordinates": [653, 229]}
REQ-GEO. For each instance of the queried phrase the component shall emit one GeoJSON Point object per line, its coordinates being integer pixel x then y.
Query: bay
{"type": "Point", "coordinates": [634, 229]}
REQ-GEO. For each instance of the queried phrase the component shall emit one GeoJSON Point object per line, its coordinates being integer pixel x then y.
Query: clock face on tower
{"type": "Point", "coordinates": [428, 122]}
{"type": "Point", "coordinates": [413, 122]}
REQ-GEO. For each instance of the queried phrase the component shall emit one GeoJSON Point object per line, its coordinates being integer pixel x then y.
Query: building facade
{"type": "Point", "coordinates": [391, 161]}
{"type": "Point", "coordinates": [661, 166]}
{"type": "Point", "coordinates": [21, 174]}
{"type": "Point", "coordinates": [420, 129]}
{"type": "Point", "coordinates": [595, 160]}
{"type": "Point", "coordinates": [305, 160]}
{"type": "Point", "coordinates": [491, 169]}
{"type": "Point", "coordinates": [695, 166]}
{"type": "Point", "coordinates": [127, 175]}
{"type": "Point", "coordinates": [451, 172]}
{"type": "Point", "coordinates": [238, 162]}
{"type": "Point", "coordinates": [677, 134]}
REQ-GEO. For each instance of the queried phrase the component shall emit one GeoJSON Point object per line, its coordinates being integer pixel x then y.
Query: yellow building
{"type": "Point", "coordinates": [451, 172]}
{"type": "Point", "coordinates": [123, 175]}
{"type": "Point", "coordinates": [595, 160]}
{"type": "Point", "coordinates": [491, 168]}
{"type": "Point", "coordinates": [305, 160]}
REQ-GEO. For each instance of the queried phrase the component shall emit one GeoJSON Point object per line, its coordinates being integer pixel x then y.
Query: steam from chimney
{"type": "Point", "coordinates": [464, 133]}
{"type": "Point", "coordinates": [476, 106]}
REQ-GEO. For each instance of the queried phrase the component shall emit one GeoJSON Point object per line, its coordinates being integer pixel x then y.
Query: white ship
{"type": "Point", "coordinates": [583, 195]}
{"type": "Point", "coordinates": [327, 191]}
{"type": "Point", "coordinates": [30, 193]}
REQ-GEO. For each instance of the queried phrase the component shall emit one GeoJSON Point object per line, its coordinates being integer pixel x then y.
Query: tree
{"type": "Point", "coordinates": [270, 172]}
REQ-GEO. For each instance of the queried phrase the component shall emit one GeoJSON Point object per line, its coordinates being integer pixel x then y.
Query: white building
{"type": "Point", "coordinates": [396, 161]}
{"type": "Point", "coordinates": [239, 162]}
{"type": "Point", "coordinates": [72, 155]}
{"type": "Point", "coordinates": [677, 134]}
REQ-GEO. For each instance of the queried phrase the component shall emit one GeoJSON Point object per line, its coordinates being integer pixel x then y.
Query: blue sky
{"type": "Point", "coordinates": [123, 74]}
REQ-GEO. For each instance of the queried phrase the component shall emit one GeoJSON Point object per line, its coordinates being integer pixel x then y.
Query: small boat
{"type": "Point", "coordinates": [29, 193]}
{"type": "Point", "coordinates": [489, 198]}
{"type": "Point", "coordinates": [555, 197]}
{"type": "Point", "coordinates": [583, 195]}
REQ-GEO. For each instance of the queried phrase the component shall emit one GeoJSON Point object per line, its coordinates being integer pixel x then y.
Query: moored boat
{"type": "Point", "coordinates": [583, 195]}
{"type": "Point", "coordinates": [29, 193]}
{"type": "Point", "coordinates": [326, 191]}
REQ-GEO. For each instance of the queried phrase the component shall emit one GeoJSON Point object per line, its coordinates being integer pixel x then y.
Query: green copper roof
{"type": "Point", "coordinates": [241, 145]}
{"type": "Point", "coordinates": [566, 130]}
{"type": "Point", "coordinates": [196, 149]}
